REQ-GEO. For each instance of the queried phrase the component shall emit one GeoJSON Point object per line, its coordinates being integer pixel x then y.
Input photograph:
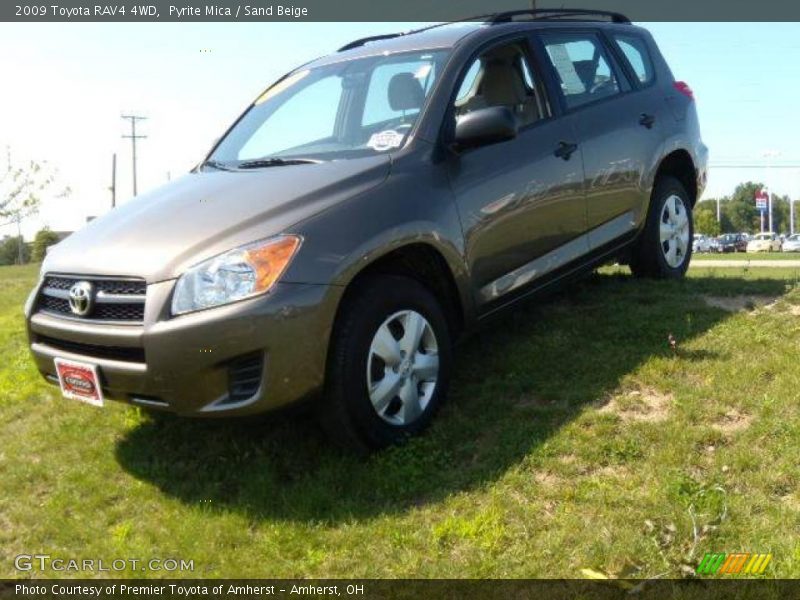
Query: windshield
{"type": "Point", "coordinates": [347, 109]}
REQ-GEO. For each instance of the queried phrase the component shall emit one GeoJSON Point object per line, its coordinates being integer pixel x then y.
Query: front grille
{"type": "Point", "coordinates": [118, 312]}
{"type": "Point", "coordinates": [244, 377]}
{"type": "Point", "coordinates": [118, 300]}
{"type": "Point", "coordinates": [123, 353]}
{"type": "Point", "coordinates": [109, 286]}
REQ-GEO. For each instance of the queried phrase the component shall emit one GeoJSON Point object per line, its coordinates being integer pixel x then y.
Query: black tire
{"type": "Point", "coordinates": [648, 256]}
{"type": "Point", "coordinates": [346, 412]}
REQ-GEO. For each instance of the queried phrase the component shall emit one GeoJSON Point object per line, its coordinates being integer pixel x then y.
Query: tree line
{"type": "Point", "coordinates": [738, 212]}
{"type": "Point", "coordinates": [14, 250]}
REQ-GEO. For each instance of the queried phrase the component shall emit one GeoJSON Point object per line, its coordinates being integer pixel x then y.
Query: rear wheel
{"type": "Point", "coordinates": [664, 248]}
{"type": "Point", "coordinates": [389, 366]}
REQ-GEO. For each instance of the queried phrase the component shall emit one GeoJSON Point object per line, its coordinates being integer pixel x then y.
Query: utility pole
{"type": "Point", "coordinates": [113, 187]}
{"type": "Point", "coordinates": [133, 137]}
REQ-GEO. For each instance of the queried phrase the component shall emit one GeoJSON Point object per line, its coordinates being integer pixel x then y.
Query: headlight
{"type": "Point", "coordinates": [235, 275]}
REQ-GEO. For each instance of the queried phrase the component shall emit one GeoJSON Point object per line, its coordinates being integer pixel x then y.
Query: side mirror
{"type": "Point", "coordinates": [485, 126]}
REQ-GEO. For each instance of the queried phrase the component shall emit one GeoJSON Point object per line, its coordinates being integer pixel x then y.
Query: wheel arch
{"type": "Point", "coordinates": [680, 165]}
{"type": "Point", "coordinates": [428, 265]}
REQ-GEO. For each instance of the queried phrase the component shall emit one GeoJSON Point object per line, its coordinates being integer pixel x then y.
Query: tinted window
{"type": "Point", "coordinates": [635, 51]}
{"type": "Point", "coordinates": [583, 68]}
{"type": "Point", "coordinates": [501, 76]}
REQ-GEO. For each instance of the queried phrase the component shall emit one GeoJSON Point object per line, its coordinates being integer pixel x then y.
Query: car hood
{"type": "Point", "coordinates": [160, 234]}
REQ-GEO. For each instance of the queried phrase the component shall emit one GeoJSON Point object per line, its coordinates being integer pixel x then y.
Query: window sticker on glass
{"type": "Point", "coordinates": [385, 140]}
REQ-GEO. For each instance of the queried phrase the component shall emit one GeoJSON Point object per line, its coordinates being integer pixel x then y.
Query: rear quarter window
{"type": "Point", "coordinates": [638, 56]}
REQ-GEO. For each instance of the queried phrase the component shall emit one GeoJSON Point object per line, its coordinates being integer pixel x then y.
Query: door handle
{"type": "Point", "coordinates": [647, 120]}
{"type": "Point", "coordinates": [565, 150]}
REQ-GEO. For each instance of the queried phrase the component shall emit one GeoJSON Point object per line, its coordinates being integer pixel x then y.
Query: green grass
{"type": "Point", "coordinates": [574, 438]}
{"type": "Point", "coordinates": [754, 256]}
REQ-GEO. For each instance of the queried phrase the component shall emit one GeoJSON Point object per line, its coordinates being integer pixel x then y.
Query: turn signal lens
{"type": "Point", "coordinates": [270, 260]}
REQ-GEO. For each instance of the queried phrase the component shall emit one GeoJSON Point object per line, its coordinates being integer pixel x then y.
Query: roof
{"type": "Point", "coordinates": [448, 35]}
{"type": "Point", "coordinates": [433, 38]}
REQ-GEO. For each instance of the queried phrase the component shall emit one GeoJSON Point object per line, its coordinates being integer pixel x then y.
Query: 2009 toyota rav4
{"type": "Point", "coordinates": [366, 210]}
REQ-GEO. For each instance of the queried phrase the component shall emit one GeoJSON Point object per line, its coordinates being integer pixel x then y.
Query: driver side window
{"type": "Point", "coordinates": [502, 76]}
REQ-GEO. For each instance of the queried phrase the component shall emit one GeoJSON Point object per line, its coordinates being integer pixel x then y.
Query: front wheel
{"type": "Point", "coordinates": [389, 365]}
{"type": "Point", "coordinates": [664, 248]}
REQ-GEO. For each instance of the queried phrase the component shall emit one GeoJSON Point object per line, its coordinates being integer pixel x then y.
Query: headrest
{"type": "Point", "coordinates": [405, 92]}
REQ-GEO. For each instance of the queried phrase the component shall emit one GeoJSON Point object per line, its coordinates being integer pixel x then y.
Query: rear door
{"type": "Point", "coordinates": [522, 207]}
{"type": "Point", "coordinates": [617, 123]}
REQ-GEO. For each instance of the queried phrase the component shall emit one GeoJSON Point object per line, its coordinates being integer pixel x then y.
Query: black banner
{"type": "Point", "coordinates": [369, 589]}
{"type": "Point", "coordinates": [382, 10]}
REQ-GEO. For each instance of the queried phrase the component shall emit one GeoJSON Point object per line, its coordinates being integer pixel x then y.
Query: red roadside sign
{"type": "Point", "coordinates": [761, 199]}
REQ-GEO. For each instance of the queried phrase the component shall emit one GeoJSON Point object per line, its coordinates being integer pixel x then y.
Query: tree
{"type": "Point", "coordinates": [10, 252]}
{"type": "Point", "coordinates": [21, 188]}
{"type": "Point", "coordinates": [705, 218]}
{"type": "Point", "coordinates": [740, 208]}
{"type": "Point", "coordinates": [44, 239]}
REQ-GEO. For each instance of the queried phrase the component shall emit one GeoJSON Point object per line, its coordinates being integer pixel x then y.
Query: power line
{"type": "Point", "coordinates": [133, 137]}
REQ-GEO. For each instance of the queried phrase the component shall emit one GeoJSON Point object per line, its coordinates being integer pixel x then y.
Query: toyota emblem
{"type": "Point", "coordinates": [81, 298]}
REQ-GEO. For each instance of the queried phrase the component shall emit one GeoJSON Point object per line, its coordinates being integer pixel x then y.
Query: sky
{"type": "Point", "coordinates": [66, 85]}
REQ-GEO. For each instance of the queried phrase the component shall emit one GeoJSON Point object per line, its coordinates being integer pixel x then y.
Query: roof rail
{"type": "Point", "coordinates": [372, 38]}
{"type": "Point", "coordinates": [558, 13]}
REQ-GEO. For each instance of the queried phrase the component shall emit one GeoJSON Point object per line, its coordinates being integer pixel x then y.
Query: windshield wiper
{"type": "Point", "coordinates": [259, 163]}
{"type": "Point", "coordinates": [215, 164]}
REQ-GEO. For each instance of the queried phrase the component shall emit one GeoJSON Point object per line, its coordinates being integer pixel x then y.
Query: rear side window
{"type": "Point", "coordinates": [636, 52]}
{"type": "Point", "coordinates": [583, 68]}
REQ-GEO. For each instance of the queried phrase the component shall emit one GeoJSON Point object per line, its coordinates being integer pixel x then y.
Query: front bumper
{"type": "Point", "coordinates": [187, 364]}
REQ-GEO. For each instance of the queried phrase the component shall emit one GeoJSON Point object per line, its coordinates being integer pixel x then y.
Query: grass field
{"type": "Point", "coordinates": [574, 438]}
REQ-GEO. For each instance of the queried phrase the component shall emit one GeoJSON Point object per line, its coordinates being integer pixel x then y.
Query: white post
{"type": "Point", "coordinates": [769, 207]}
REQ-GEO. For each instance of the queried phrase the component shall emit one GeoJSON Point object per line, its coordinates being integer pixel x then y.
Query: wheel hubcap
{"type": "Point", "coordinates": [674, 231]}
{"type": "Point", "coordinates": [402, 367]}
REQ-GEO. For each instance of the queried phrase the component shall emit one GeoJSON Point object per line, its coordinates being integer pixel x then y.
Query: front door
{"type": "Point", "coordinates": [521, 202]}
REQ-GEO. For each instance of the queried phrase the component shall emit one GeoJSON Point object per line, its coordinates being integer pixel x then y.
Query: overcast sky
{"type": "Point", "coordinates": [65, 86]}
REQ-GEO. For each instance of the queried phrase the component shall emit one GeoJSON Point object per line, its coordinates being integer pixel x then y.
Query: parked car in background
{"type": "Point", "coordinates": [700, 243]}
{"type": "Point", "coordinates": [713, 244]}
{"type": "Point", "coordinates": [746, 237]}
{"type": "Point", "coordinates": [764, 242]}
{"type": "Point", "coordinates": [792, 243]}
{"type": "Point", "coordinates": [731, 242]}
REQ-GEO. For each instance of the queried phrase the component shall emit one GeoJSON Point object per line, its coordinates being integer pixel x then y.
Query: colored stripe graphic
{"type": "Point", "coordinates": [732, 564]}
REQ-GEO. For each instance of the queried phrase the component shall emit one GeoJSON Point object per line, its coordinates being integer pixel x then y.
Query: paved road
{"type": "Point", "coordinates": [789, 264]}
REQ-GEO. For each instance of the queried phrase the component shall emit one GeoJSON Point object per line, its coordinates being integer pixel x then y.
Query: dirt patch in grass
{"type": "Point", "coordinates": [548, 479]}
{"type": "Point", "coordinates": [733, 421]}
{"type": "Point", "coordinates": [645, 404]}
{"type": "Point", "coordinates": [744, 302]}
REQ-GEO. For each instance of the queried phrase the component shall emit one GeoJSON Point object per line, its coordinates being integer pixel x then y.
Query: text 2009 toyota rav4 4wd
{"type": "Point", "coordinates": [367, 209]}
